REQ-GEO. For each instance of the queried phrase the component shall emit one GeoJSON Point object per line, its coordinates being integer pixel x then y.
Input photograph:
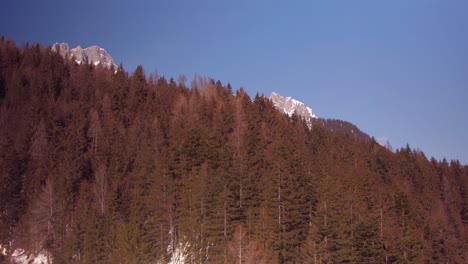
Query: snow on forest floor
{"type": "Point", "coordinates": [19, 256]}
{"type": "Point", "coordinates": [179, 255]}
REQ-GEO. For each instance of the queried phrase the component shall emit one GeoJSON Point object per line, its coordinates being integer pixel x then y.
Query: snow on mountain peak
{"type": "Point", "coordinates": [94, 54]}
{"type": "Point", "coordinates": [288, 105]}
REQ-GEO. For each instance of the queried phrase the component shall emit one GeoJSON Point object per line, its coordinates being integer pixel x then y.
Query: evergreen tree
{"type": "Point", "coordinates": [99, 166]}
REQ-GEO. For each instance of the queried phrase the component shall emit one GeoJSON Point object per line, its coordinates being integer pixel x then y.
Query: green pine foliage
{"type": "Point", "coordinates": [100, 166]}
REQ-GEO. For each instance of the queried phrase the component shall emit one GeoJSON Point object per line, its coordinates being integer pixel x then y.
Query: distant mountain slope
{"type": "Point", "coordinates": [290, 106]}
{"type": "Point", "coordinates": [336, 125]}
{"type": "Point", "coordinates": [94, 54]}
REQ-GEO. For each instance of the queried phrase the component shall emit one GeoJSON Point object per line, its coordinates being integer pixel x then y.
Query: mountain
{"type": "Point", "coordinates": [290, 106]}
{"type": "Point", "coordinates": [94, 54]}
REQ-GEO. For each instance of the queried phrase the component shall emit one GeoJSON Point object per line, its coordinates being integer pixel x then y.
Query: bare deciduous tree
{"type": "Point", "coordinates": [239, 244]}
{"type": "Point", "coordinates": [42, 219]}
{"type": "Point", "coordinates": [100, 187]}
{"type": "Point", "coordinates": [95, 130]}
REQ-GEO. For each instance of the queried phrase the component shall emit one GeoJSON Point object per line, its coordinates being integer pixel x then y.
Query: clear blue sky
{"type": "Point", "coordinates": [397, 69]}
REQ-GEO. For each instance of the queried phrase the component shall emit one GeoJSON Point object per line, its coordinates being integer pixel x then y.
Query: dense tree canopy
{"type": "Point", "coordinates": [99, 166]}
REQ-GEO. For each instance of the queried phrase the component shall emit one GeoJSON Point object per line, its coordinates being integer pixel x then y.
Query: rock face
{"type": "Point", "coordinates": [290, 106]}
{"type": "Point", "coordinates": [94, 54]}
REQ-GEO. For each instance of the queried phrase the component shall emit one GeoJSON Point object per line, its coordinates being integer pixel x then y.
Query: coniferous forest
{"type": "Point", "coordinates": [101, 166]}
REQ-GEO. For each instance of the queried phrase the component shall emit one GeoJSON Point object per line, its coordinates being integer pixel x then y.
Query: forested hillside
{"type": "Point", "coordinates": [104, 167]}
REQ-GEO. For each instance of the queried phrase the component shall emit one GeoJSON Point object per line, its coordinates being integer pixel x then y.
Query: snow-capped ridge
{"type": "Point", "coordinates": [91, 55]}
{"type": "Point", "coordinates": [289, 106]}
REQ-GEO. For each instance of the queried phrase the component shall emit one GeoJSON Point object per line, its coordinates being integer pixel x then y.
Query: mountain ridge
{"type": "Point", "coordinates": [90, 55]}
{"type": "Point", "coordinates": [289, 106]}
{"type": "Point", "coordinates": [97, 55]}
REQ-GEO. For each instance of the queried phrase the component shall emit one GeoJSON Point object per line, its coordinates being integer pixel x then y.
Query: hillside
{"type": "Point", "coordinates": [100, 166]}
{"type": "Point", "coordinates": [290, 107]}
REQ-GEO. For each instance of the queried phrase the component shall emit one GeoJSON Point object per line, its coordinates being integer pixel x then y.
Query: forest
{"type": "Point", "coordinates": [102, 166]}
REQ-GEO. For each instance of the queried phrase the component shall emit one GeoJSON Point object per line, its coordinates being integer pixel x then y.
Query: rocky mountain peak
{"type": "Point", "coordinates": [94, 54]}
{"type": "Point", "coordinates": [289, 106]}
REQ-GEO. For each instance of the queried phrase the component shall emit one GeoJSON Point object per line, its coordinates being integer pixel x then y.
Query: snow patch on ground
{"type": "Point", "coordinates": [3, 250]}
{"type": "Point", "coordinates": [180, 254]}
{"type": "Point", "coordinates": [19, 256]}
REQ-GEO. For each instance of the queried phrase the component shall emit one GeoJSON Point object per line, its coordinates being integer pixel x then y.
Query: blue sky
{"type": "Point", "coordinates": [397, 69]}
